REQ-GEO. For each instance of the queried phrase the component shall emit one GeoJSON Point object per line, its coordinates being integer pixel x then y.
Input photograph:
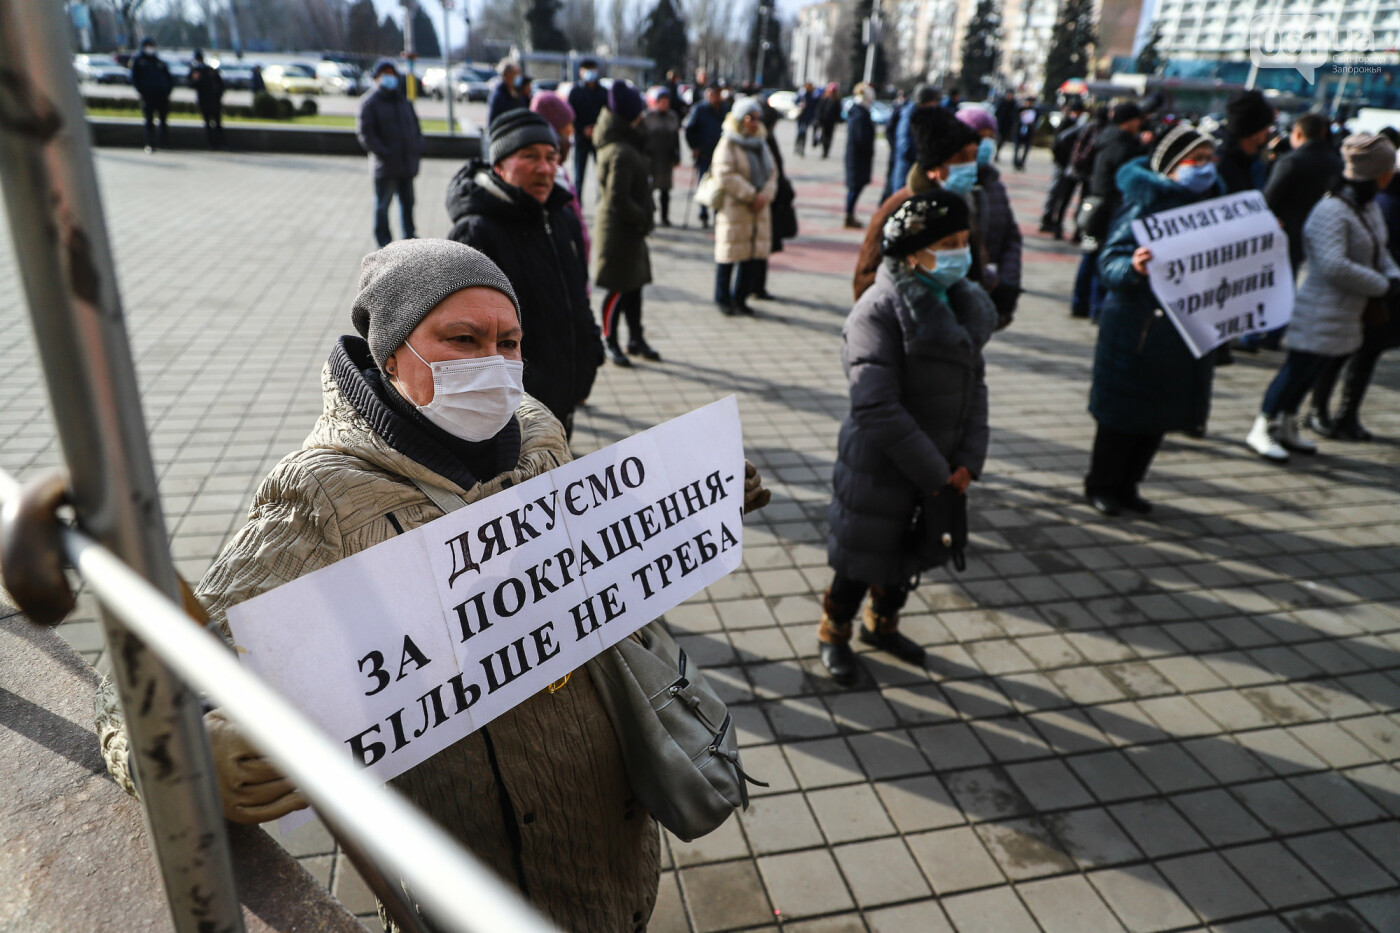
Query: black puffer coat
{"type": "Point", "coordinates": [540, 249]}
{"type": "Point", "coordinates": [918, 412]}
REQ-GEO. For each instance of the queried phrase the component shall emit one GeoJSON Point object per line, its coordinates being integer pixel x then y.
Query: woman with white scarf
{"type": "Point", "coordinates": [743, 227]}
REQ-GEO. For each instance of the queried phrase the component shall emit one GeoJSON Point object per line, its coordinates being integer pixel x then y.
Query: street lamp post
{"type": "Point", "coordinates": [410, 8]}
{"type": "Point", "coordinates": [760, 59]}
{"type": "Point", "coordinates": [447, 6]}
{"type": "Point", "coordinates": [871, 31]}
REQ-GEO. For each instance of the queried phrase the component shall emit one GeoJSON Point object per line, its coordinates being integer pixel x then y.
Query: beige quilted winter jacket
{"type": "Point", "coordinates": [540, 794]}
{"type": "Point", "coordinates": [741, 233]}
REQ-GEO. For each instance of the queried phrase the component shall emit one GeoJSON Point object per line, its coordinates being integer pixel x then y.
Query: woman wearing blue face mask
{"type": "Point", "coordinates": [1146, 381]}
{"type": "Point", "coordinates": [993, 222]}
{"type": "Point", "coordinates": [918, 421]}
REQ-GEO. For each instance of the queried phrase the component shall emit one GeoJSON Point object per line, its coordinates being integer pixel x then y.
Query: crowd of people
{"type": "Point", "coordinates": [1335, 198]}
{"type": "Point", "coordinates": [471, 355]}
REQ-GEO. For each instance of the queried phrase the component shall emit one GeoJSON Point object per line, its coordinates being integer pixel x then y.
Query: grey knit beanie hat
{"type": "Point", "coordinates": [516, 129]}
{"type": "Point", "coordinates": [402, 282]}
{"type": "Point", "coordinates": [1367, 157]}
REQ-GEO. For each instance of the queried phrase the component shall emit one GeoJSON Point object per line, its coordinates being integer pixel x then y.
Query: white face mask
{"type": "Point", "coordinates": [473, 399]}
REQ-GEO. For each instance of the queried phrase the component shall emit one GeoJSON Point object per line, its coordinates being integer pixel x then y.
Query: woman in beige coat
{"type": "Point", "coordinates": [744, 226]}
{"type": "Point", "coordinates": [541, 794]}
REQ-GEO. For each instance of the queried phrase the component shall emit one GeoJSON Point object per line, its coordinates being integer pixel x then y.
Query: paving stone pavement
{"type": "Point", "coordinates": [1183, 723]}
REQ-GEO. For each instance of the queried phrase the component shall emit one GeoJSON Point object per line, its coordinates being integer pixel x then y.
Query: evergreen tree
{"type": "Point", "coordinates": [664, 37]}
{"type": "Point", "coordinates": [1075, 31]}
{"type": "Point", "coordinates": [425, 37]}
{"type": "Point", "coordinates": [362, 32]}
{"type": "Point", "coordinates": [545, 36]}
{"type": "Point", "coordinates": [390, 40]}
{"type": "Point", "coordinates": [1149, 60]}
{"type": "Point", "coordinates": [860, 13]}
{"type": "Point", "coordinates": [981, 48]}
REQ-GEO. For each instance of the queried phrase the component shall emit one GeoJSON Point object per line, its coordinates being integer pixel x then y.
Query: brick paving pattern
{"type": "Point", "coordinates": [1186, 723]}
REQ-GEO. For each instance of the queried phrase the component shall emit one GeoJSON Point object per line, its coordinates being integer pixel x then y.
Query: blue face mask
{"type": "Point", "coordinates": [389, 82]}
{"type": "Point", "coordinates": [1197, 179]}
{"type": "Point", "coordinates": [961, 177]}
{"type": "Point", "coordinates": [985, 150]}
{"type": "Point", "coordinates": [951, 265]}
{"type": "Point", "coordinates": [588, 75]}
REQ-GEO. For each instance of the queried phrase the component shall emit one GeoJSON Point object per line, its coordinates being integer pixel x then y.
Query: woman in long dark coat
{"type": "Point", "coordinates": [1146, 380]}
{"type": "Point", "coordinates": [860, 151]}
{"type": "Point", "coordinates": [918, 420]}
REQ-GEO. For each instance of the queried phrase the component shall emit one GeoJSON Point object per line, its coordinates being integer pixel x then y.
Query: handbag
{"type": "Point", "coordinates": [937, 532]}
{"type": "Point", "coordinates": [675, 733]}
{"type": "Point", "coordinates": [1092, 222]}
{"type": "Point", "coordinates": [1376, 312]}
{"type": "Point", "coordinates": [709, 192]}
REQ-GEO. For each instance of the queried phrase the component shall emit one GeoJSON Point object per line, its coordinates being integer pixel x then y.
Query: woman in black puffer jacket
{"type": "Point", "coordinates": [918, 420]}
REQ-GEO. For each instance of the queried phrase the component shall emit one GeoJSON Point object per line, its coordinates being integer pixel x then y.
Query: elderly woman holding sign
{"type": "Point", "coordinates": [1146, 380]}
{"type": "Point", "coordinates": [427, 402]}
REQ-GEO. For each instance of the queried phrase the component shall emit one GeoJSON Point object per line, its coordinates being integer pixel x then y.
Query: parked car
{"type": "Point", "coordinates": [296, 78]}
{"type": "Point", "coordinates": [474, 84]}
{"type": "Point", "coordinates": [237, 76]}
{"type": "Point", "coordinates": [179, 68]}
{"type": "Point", "coordinates": [338, 78]}
{"type": "Point", "coordinates": [880, 111]}
{"type": "Point", "coordinates": [100, 69]}
{"type": "Point", "coordinates": [785, 102]}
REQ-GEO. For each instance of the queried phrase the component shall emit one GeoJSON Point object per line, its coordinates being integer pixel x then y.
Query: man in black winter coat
{"type": "Point", "coordinates": [388, 130]}
{"type": "Point", "coordinates": [151, 78]}
{"type": "Point", "coordinates": [1062, 180]}
{"type": "Point", "coordinates": [208, 87]}
{"type": "Point", "coordinates": [703, 130]}
{"type": "Point", "coordinates": [1239, 158]}
{"type": "Point", "coordinates": [1301, 178]}
{"type": "Point", "coordinates": [511, 209]}
{"type": "Point", "coordinates": [589, 99]}
{"type": "Point", "coordinates": [1116, 145]}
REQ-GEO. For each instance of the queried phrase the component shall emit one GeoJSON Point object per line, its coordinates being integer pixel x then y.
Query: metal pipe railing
{"type": "Point", "coordinates": [157, 653]}
{"type": "Point", "coordinates": [457, 891]}
{"type": "Point", "coordinates": [65, 263]}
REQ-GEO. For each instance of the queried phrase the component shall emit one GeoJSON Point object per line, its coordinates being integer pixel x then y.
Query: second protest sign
{"type": "Point", "coordinates": [1220, 268]}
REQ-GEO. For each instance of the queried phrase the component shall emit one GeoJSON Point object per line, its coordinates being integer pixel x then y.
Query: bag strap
{"type": "Point", "coordinates": [442, 498]}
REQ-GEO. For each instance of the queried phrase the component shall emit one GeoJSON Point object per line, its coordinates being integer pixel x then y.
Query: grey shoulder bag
{"type": "Point", "coordinates": [675, 733]}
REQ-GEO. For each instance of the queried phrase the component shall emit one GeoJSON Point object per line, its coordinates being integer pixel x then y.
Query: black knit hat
{"type": "Point", "coordinates": [1124, 112]}
{"type": "Point", "coordinates": [516, 129]}
{"type": "Point", "coordinates": [938, 136]}
{"type": "Point", "coordinates": [1247, 113]}
{"type": "Point", "coordinates": [1174, 146]}
{"type": "Point", "coordinates": [924, 219]}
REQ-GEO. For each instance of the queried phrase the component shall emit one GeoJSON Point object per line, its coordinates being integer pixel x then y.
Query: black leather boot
{"type": "Point", "coordinates": [882, 631]}
{"type": "Point", "coordinates": [840, 662]}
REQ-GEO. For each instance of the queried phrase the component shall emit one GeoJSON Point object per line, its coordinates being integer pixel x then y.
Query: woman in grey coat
{"type": "Point", "coordinates": [1348, 264]}
{"type": "Point", "coordinates": [918, 420]}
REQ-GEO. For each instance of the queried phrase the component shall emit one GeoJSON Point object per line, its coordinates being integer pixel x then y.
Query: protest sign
{"type": "Point", "coordinates": [1220, 268]}
{"type": "Point", "coordinates": [405, 648]}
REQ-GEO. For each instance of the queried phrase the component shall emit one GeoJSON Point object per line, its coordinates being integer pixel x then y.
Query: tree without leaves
{"type": "Point", "coordinates": [1150, 58]}
{"type": "Point", "coordinates": [1075, 31]}
{"type": "Point", "coordinates": [128, 10]}
{"type": "Point", "coordinates": [580, 24]}
{"type": "Point", "coordinates": [545, 36]}
{"type": "Point", "coordinates": [664, 37]}
{"type": "Point", "coordinates": [981, 48]}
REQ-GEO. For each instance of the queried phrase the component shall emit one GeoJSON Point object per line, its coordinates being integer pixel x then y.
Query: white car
{"type": "Point", "coordinates": [296, 78]}
{"type": "Point", "coordinates": [338, 78]}
{"type": "Point", "coordinates": [100, 69]}
{"type": "Point", "coordinates": [785, 102]}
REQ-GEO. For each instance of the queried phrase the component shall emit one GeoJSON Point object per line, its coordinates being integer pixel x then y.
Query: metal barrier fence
{"type": "Point", "coordinates": [122, 550]}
